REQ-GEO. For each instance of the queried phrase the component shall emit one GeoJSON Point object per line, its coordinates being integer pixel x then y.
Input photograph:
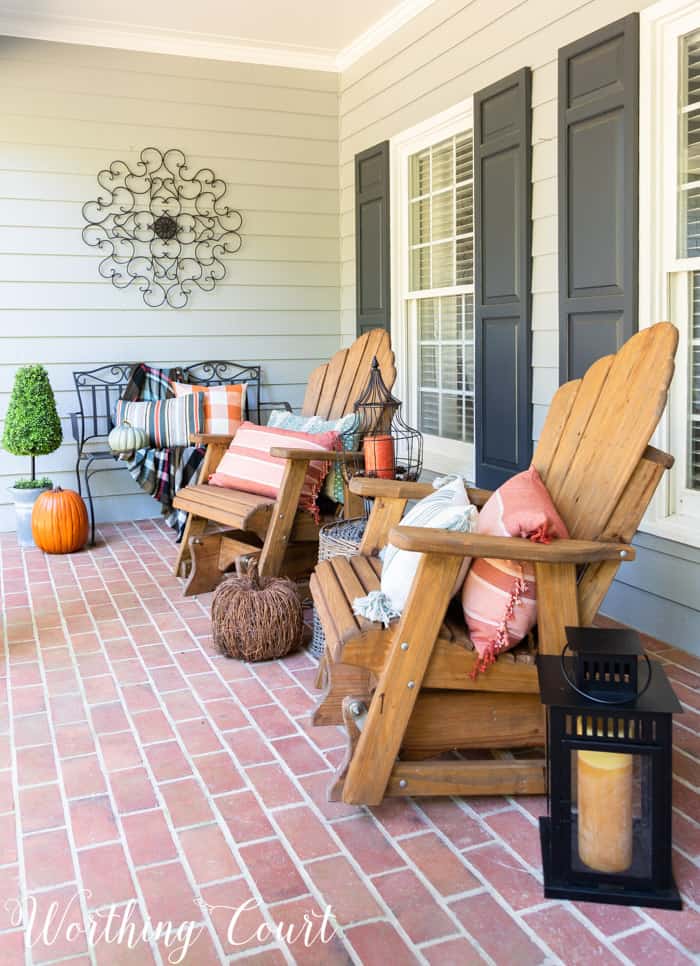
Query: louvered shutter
{"type": "Point", "coordinates": [598, 144]}
{"type": "Point", "coordinates": [502, 310]}
{"type": "Point", "coordinates": [372, 243]}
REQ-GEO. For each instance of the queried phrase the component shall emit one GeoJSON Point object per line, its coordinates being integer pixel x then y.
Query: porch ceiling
{"type": "Point", "coordinates": [316, 34]}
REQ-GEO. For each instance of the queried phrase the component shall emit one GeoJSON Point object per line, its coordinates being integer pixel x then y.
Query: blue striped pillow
{"type": "Point", "coordinates": [166, 422]}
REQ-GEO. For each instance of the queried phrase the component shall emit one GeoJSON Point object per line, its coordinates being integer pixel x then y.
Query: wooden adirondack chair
{"type": "Point", "coordinates": [405, 693]}
{"type": "Point", "coordinates": [283, 538]}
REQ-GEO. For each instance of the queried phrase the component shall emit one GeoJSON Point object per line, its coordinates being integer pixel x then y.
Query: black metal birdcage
{"type": "Point", "coordinates": [390, 448]}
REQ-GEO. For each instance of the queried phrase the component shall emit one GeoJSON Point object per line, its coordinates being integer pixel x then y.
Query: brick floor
{"type": "Point", "coordinates": [140, 768]}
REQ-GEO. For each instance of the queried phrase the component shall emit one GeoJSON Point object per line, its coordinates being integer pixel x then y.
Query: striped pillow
{"type": "Point", "coordinates": [247, 464]}
{"type": "Point", "coordinates": [166, 422]}
{"type": "Point", "coordinates": [333, 486]}
{"type": "Point", "coordinates": [499, 597]}
{"type": "Point", "coordinates": [448, 508]}
{"type": "Point", "coordinates": [223, 405]}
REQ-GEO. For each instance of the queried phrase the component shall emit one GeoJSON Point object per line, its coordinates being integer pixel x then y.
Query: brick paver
{"type": "Point", "coordinates": [139, 767]}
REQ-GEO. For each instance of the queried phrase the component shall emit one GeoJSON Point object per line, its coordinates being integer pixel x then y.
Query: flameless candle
{"type": "Point", "coordinates": [605, 810]}
{"type": "Point", "coordinates": [379, 456]}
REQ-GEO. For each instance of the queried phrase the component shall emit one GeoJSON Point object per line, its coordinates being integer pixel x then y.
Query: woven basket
{"type": "Point", "coordinates": [335, 540]}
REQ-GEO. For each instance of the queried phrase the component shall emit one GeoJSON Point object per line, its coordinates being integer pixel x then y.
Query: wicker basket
{"type": "Point", "coordinates": [340, 539]}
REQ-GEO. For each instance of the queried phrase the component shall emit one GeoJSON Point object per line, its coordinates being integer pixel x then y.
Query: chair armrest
{"type": "Point", "coordinates": [428, 540]}
{"type": "Point", "coordinates": [282, 452]}
{"type": "Point", "coordinates": [204, 439]}
{"type": "Point", "coordinates": [370, 486]}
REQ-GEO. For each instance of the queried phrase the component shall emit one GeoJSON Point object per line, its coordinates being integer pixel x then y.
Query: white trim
{"type": "Point", "coordinates": [181, 43]}
{"type": "Point", "coordinates": [380, 31]}
{"type": "Point", "coordinates": [440, 455]}
{"type": "Point", "coordinates": [661, 27]}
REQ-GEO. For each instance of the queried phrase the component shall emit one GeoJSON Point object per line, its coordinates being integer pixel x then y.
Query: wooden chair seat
{"type": "Point", "coordinates": [231, 508]}
{"type": "Point", "coordinates": [355, 641]}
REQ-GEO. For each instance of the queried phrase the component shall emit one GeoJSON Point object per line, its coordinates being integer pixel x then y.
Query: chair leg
{"type": "Point", "coordinates": [91, 505]}
{"type": "Point", "coordinates": [338, 681]}
{"type": "Point", "coordinates": [77, 475]}
{"type": "Point", "coordinates": [194, 527]}
{"type": "Point", "coordinates": [400, 681]}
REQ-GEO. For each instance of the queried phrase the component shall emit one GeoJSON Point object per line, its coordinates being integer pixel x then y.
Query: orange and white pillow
{"type": "Point", "coordinates": [499, 597]}
{"type": "Point", "coordinates": [248, 465]}
{"type": "Point", "coordinates": [223, 405]}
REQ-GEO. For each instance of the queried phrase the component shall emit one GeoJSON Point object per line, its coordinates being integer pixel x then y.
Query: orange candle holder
{"type": "Point", "coordinates": [379, 456]}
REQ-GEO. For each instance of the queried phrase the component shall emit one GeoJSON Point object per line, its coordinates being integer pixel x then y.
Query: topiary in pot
{"type": "Point", "coordinates": [32, 428]}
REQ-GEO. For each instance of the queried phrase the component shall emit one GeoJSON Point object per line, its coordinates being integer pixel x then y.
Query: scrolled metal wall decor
{"type": "Point", "coordinates": [164, 228]}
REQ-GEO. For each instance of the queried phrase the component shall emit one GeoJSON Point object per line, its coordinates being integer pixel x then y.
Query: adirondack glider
{"type": "Point", "coordinates": [280, 535]}
{"type": "Point", "coordinates": [406, 693]}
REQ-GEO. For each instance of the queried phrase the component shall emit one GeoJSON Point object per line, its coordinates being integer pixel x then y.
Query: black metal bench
{"type": "Point", "coordinates": [99, 391]}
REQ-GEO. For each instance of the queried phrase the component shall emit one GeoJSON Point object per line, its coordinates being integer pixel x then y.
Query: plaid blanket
{"type": "Point", "coordinates": [146, 383]}
{"type": "Point", "coordinates": [161, 472]}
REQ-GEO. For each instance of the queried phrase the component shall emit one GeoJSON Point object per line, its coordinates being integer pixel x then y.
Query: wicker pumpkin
{"type": "Point", "coordinates": [60, 521]}
{"type": "Point", "coordinates": [125, 439]}
{"type": "Point", "coordinates": [256, 618]}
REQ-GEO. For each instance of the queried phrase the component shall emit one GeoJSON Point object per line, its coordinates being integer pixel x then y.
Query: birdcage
{"type": "Point", "coordinates": [390, 448]}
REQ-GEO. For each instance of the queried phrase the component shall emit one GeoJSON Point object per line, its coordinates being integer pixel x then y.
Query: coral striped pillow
{"type": "Point", "coordinates": [499, 597]}
{"type": "Point", "coordinates": [247, 464]}
{"type": "Point", "coordinates": [166, 422]}
{"type": "Point", "coordinates": [223, 405]}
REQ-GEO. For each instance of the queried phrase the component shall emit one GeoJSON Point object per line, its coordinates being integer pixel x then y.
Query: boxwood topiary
{"type": "Point", "coordinates": [32, 424]}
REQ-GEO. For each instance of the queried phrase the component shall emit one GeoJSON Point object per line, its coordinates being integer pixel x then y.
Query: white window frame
{"type": "Point", "coordinates": [439, 454]}
{"type": "Point", "coordinates": [663, 277]}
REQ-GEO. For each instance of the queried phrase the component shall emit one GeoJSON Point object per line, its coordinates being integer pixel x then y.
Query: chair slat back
{"type": "Point", "coordinates": [598, 429]}
{"type": "Point", "coordinates": [333, 387]}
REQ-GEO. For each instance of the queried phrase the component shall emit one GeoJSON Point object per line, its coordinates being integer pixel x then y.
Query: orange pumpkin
{"type": "Point", "coordinates": [60, 521]}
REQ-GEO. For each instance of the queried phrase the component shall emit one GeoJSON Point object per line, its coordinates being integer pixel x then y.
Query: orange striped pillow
{"type": "Point", "coordinates": [247, 464]}
{"type": "Point", "coordinates": [499, 597]}
{"type": "Point", "coordinates": [223, 405]}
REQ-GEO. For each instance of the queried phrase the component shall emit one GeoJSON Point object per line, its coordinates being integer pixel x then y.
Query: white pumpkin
{"type": "Point", "coordinates": [125, 439]}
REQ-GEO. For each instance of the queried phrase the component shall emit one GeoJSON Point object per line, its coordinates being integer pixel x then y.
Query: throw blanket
{"type": "Point", "coordinates": [161, 472]}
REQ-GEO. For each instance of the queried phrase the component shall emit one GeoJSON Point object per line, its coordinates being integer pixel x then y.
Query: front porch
{"type": "Point", "coordinates": [140, 764]}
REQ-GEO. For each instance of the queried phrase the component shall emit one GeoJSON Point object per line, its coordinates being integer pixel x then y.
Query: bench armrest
{"type": "Point", "coordinates": [76, 424]}
{"type": "Point", "coordinates": [282, 452]}
{"type": "Point", "coordinates": [427, 540]}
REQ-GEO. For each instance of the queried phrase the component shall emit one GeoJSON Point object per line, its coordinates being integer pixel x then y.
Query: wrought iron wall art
{"type": "Point", "coordinates": [162, 227]}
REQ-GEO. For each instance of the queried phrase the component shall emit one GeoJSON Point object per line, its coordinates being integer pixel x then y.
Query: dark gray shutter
{"type": "Point", "coordinates": [598, 190]}
{"type": "Point", "coordinates": [372, 246]}
{"type": "Point", "coordinates": [502, 303]}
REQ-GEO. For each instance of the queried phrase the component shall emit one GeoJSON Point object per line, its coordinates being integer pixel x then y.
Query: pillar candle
{"type": "Point", "coordinates": [605, 810]}
{"type": "Point", "coordinates": [379, 456]}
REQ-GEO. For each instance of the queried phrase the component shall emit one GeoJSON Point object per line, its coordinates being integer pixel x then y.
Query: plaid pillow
{"type": "Point", "coordinates": [223, 405]}
{"type": "Point", "coordinates": [333, 485]}
{"type": "Point", "coordinates": [166, 422]}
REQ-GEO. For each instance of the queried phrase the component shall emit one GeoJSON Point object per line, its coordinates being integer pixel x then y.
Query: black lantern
{"type": "Point", "coordinates": [391, 449]}
{"type": "Point", "coordinates": [607, 836]}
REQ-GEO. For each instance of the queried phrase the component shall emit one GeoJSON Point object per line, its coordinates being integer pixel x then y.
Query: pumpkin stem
{"type": "Point", "coordinates": [253, 575]}
{"type": "Point", "coordinates": [57, 488]}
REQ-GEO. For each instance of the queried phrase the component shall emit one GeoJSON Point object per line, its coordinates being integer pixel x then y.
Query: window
{"type": "Point", "coordinates": [688, 241]}
{"type": "Point", "coordinates": [435, 310]}
{"type": "Point", "coordinates": [670, 241]}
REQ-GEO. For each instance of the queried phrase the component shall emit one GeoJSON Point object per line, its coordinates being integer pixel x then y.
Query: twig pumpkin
{"type": "Point", "coordinates": [60, 521]}
{"type": "Point", "coordinates": [256, 618]}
